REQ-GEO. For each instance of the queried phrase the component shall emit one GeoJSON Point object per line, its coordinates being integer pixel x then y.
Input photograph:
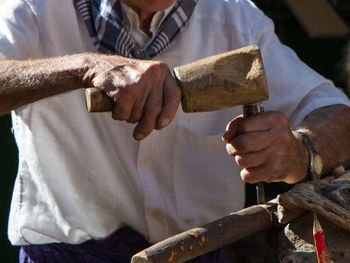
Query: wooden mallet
{"type": "Point", "coordinates": [214, 83]}
{"type": "Point", "coordinates": [217, 82]}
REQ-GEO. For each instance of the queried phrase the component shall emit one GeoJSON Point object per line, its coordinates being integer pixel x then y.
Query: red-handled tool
{"type": "Point", "coordinates": [320, 242]}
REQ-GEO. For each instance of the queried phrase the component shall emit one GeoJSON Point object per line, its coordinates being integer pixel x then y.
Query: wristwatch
{"type": "Point", "coordinates": [315, 164]}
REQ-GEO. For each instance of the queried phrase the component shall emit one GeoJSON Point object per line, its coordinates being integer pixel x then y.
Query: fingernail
{"type": "Point", "coordinates": [164, 123]}
{"type": "Point", "coordinates": [139, 136]}
{"type": "Point", "coordinates": [224, 137]}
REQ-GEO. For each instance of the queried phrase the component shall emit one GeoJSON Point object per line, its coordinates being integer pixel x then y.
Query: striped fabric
{"type": "Point", "coordinates": [105, 25]}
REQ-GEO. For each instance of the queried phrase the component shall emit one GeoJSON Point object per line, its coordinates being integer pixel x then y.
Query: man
{"type": "Point", "coordinates": [82, 177]}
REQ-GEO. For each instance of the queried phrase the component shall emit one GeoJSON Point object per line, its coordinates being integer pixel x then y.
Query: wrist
{"type": "Point", "coordinates": [64, 73]}
{"type": "Point", "coordinates": [304, 158]}
{"type": "Point", "coordinates": [314, 163]}
{"type": "Point", "coordinates": [80, 65]}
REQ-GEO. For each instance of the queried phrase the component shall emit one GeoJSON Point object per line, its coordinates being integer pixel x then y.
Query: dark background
{"type": "Point", "coordinates": [323, 55]}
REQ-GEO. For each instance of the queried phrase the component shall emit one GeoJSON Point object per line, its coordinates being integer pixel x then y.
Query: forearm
{"type": "Point", "coordinates": [26, 81]}
{"type": "Point", "coordinates": [329, 130]}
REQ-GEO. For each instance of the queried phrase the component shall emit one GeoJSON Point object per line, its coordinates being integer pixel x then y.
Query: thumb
{"type": "Point", "coordinates": [171, 100]}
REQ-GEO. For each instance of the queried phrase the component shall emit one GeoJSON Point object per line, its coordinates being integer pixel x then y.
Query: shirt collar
{"type": "Point", "coordinates": [131, 22]}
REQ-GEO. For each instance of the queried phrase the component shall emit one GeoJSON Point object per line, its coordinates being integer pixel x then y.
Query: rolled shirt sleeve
{"type": "Point", "coordinates": [295, 88]}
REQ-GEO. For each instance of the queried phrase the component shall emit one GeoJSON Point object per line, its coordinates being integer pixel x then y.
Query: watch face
{"type": "Point", "coordinates": [317, 165]}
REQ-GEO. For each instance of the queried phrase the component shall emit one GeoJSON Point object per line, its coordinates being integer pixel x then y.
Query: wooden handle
{"type": "Point", "coordinates": [200, 240]}
{"type": "Point", "coordinates": [97, 100]}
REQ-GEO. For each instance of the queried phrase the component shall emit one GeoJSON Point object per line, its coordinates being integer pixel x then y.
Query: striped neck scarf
{"type": "Point", "coordinates": [105, 25]}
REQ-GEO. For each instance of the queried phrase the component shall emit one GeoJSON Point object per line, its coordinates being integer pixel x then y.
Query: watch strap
{"type": "Point", "coordinates": [315, 161]}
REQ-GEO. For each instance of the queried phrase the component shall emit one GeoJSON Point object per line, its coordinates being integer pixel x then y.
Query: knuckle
{"type": "Point", "coordinates": [240, 144]}
{"type": "Point", "coordinates": [141, 78]}
{"type": "Point", "coordinates": [119, 113]}
{"type": "Point", "coordinates": [247, 176]}
{"type": "Point", "coordinates": [123, 115]}
{"type": "Point", "coordinates": [129, 89]}
{"type": "Point", "coordinates": [158, 68]}
{"type": "Point", "coordinates": [104, 82]}
{"type": "Point", "coordinates": [161, 65]}
{"type": "Point", "coordinates": [135, 117]}
{"type": "Point", "coordinates": [252, 175]}
{"type": "Point", "coordinates": [128, 95]}
{"type": "Point", "coordinates": [153, 109]}
{"type": "Point", "coordinates": [230, 149]}
{"type": "Point", "coordinates": [241, 161]}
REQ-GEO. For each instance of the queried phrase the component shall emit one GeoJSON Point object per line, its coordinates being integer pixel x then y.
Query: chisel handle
{"type": "Point", "coordinates": [250, 110]}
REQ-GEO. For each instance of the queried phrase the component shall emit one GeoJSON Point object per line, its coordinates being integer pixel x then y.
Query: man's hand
{"type": "Point", "coordinates": [266, 149]}
{"type": "Point", "coordinates": [143, 91]}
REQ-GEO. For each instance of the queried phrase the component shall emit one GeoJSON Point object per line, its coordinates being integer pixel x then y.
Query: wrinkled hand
{"type": "Point", "coordinates": [266, 149]}
{"type": "Point", "coordinates": [144, 91]}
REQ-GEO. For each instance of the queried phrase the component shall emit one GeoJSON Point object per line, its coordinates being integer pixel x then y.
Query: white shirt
{"type": "Point", "coordinates": [82, 175]}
